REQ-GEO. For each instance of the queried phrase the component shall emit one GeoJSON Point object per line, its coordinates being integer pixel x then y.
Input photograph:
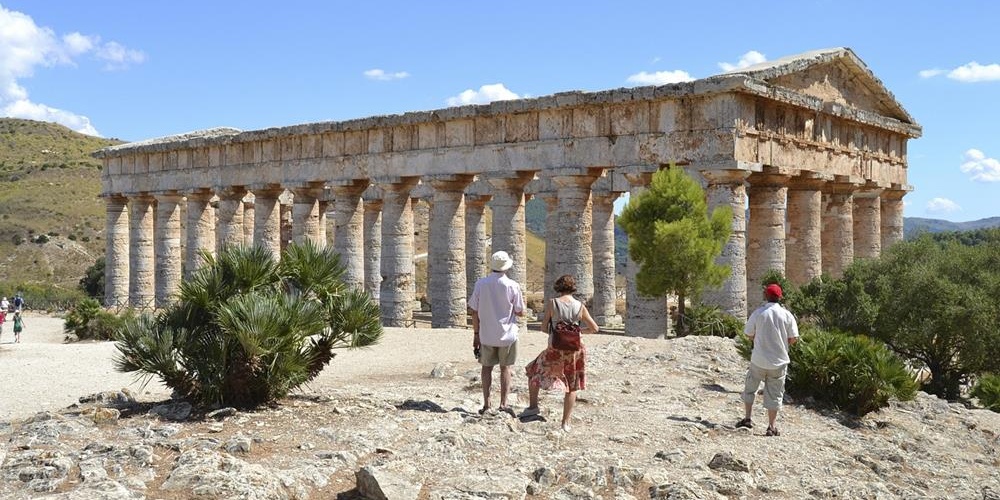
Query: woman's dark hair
{"type": "Point", "coordinates": [565, 284]}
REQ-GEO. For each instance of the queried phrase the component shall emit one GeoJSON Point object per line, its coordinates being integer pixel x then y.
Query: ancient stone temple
{"type": "Point", "coordinates": [809, 151]}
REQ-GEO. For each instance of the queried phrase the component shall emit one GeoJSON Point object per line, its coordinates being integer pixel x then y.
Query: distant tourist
{"type": "Point", "coordinates": [3, 318]}
{"type": "Point", "coordinates": [496, 303]}
{"type": "Point", "coordinates": [5, 304]}
{"type": "Point", "coordinates": [561, 366]}
{"type": "Point", "coordinates": [18, 326]}
{"type": "Point", "coordinates": [18, 302]}
{"type": "Point", "coordinates": [771, 329]}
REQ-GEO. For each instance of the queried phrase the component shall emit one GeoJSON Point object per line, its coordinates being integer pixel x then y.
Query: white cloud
{"type": "Point", "coordinates": [485, 94]}
{"type": "Point", "coordinates": [118, 56]}
{"type": "Point", "coordinates": [980, 167]}
{"type": "Point", "coordinates": [968, 73]}
{"type": "Point", "coordinates": [748, 59]}
{"type": "Point", "coordinates": [942, 206]}
{"type": "Point", "coordinates": [659, 77]}
{"type": "Point", "coordinates": [26, 46]}
{"type": "Point", "coordinates": [378, 74]}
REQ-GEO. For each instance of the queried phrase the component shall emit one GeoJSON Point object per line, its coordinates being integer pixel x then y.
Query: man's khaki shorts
{"type": "Point", "coordinates": [490, 355]}
{"type": "Point", "coordinates": [774, 385]}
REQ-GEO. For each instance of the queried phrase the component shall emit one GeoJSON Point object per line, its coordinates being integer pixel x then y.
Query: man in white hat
{"type": "Point", "coordinates": [496, 302]}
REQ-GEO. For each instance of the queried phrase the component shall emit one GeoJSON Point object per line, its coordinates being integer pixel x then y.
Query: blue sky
{"type": "Point", "coordinates": [140, 69]}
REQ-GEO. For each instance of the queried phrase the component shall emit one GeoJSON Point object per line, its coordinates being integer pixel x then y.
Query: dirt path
{"type": "Point", "coordinates": [43, 372]}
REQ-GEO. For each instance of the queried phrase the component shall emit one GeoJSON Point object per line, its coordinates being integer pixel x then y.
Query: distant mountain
{"type": "Point", "coordinates": [913, 226]}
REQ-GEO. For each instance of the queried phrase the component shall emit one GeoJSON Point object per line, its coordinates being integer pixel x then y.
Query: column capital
{"type": "Point", "coordinates": [721, 177]}
{"type": "Point", "coordinates": [396, 183]}
{"type": "Point", "coordinates": [510, 180]}
{"type": "Point", "coordinates": [348, 188]}
{"type": "Point", "coordinates": [477, 200]}
{"type": "Point", "coordinates": [768, 180]}
{"type": "Point", "coordinates": [809, 181]}
{"type": "Point", "coordinates": [449, 182]}
{"type": "Point", "coordinates": [894, 194]}
{"type": "Point", "coordinates": [267, 189]}
{"type": "Point", "coordinates": [575, 177]}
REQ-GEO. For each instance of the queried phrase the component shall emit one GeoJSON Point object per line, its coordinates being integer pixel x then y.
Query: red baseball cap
{"type": "Point", "coordinates": [773, 290]}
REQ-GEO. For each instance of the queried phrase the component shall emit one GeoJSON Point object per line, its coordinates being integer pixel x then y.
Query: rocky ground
{"type": "Point", "coordinates": [399, 421]}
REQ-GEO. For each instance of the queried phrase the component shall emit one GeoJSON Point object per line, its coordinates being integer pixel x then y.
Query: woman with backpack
{"type": "Point", "coordinates": [562, 365]}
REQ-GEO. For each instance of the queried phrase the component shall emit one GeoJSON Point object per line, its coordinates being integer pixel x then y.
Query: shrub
{"type": "Point", "coordinates": [42, 239]}
{"type": "Point", "coordinates": [710, 320]}
{"type": "Point", "coordinates": [92, 282]}
{"type": "Point", "coordinates": [987, 390]}
{"type": "Point", "coordinates": [89, 321]}
{"type": "Point", "coordinates": [852, 372]}
{"type": "Point", "coordinates": [246, 330]}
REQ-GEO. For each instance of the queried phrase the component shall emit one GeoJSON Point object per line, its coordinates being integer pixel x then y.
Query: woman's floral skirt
{"type": "Point", "coordinates": [556, 369]}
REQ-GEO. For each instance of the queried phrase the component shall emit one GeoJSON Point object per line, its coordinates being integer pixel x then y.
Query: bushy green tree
{"type": "Point", "coordinates": [246, 329]}
{"type": "Point", "coordinates": [92, 282]}
{"type": "Point", "coordinates": [935, 302]}
{"type": "Point", "coordinates": [674, 239]}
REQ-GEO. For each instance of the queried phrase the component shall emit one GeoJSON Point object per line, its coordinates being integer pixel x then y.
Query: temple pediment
{"type": "Point", "coordinates": [833, 75]}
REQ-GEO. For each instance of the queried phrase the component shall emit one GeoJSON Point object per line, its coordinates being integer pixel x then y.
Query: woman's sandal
{"type": "Point", "coordinates": [772, 431]}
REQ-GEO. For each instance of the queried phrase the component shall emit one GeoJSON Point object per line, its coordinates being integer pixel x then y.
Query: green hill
{"type": "Point", "coordinates": [51, 220]}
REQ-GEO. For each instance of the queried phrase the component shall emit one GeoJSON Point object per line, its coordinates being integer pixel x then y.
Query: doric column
{"type": "Point", "coordinates": [348, 239]}
{"type": "Point", "coordinates": [373, 247]}
{"type": "Point", "coordinates": [803, 259]}
{"type": "Point", "coordinates": [726, 188]}
{"type": "Point", "coordinates": [644, 316]}
{"type": "Point", "coordinates": [167, 247]}
{"type": "Point", "coordinates": [892, 217]}
{"type": "Point", "coordinates": [396, 290]}
{"type": "Point", "coordinates": [838, 228]}
{"type": "Point", "coordinates": [867, 224]}
{"type": "Point", "coordinates": [285, 209]}
{"type": "Point", "coordinates": [446, 251]}
{"type": "Point", "coordinates": [116, 269]}
{"type": "Point", "coordinates": [603, 244]}
{"type": "Point", "coordinates": [324, 205]}
{"type": "Point", "coordinates": [141, 273]}
{"type": "Point", "coordinates": [200, 229]}
{"type": "Point", "coordinates": [575, 256]}
{"type": "Point", "coordinates": [766, 232]}
{"type": "Point", "coordinates": [508, 221]}
{"type": "Point", "coordinates": [230, 217]}
{"type": "Point", "coordinates": [477, 262]}
{"type": "Point", "coordinates": [551, 200]}
{"type": "Point", "coordinates": [306, 214]}
{"type": "Point", "coordinates": [267, 219]}
{"type": "Point", "coordinates": [249, 224]}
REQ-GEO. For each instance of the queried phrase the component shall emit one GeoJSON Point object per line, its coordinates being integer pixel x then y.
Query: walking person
{"type": "Point", "coordinates": [3, 319]}
{"type": "Point", "coordinates": [18, 326]}
{"type": "Point", "coordinates": [496, 303]}
{"type": "Point", "coordinates": [561, 367]}
{"type": "Point", "coordinates": [5, 305]}
{"type": "Point", "coordinates": [18, 302]}
{"type": "Point", "coordinates": [772, 329]}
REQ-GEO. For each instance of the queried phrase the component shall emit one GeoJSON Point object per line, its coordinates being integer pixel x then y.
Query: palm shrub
{"type": "Point", "coordinates": [710, 320]}
{"type": "Point", "coordinates": [852, 372]}
{"type": "Point", "coordinates": [87, 320]}
{"type": "Point", "coordinates": [987, 390]}
{"type": "Point", "coordinates": [246, 330]}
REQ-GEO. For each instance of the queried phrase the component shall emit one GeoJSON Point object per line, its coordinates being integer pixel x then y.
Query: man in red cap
{"type": "Point", "coordinates": [771, 329]}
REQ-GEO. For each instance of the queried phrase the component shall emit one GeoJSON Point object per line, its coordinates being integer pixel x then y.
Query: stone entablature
{"type": "Point", "coordinates": [793, 140]}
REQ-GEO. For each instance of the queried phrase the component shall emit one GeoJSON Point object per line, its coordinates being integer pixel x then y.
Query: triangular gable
{"type": "Point", "coordinates": [834, 75]}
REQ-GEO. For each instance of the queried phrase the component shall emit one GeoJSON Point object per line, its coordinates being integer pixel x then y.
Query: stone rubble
{"type": "Point", "coordinates": [656, 422]}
